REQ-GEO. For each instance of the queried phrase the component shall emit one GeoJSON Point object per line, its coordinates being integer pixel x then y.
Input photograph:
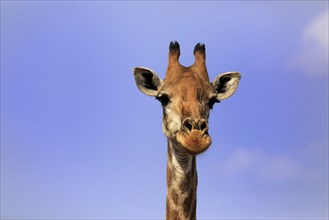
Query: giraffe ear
{"type": "Point", "coordinates": [147, 81]}
{"type": "Point", "coordinates": [226, 84]}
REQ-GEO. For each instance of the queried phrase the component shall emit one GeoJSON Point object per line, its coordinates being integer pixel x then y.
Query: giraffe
{"type": "Point", "coordinates": [186, 96]}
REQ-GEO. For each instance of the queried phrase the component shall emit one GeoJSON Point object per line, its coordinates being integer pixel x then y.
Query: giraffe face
{"type": "Point", "coordinates": [186, 103]}
{"type": "Point", "coordinates": [187, 96]}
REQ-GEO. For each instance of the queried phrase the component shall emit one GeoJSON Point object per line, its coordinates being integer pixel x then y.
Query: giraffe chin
{"type": "Point", "coordinates": [195, 142]}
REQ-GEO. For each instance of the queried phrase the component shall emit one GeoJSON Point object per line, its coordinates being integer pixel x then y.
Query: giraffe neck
{"type": "Point", "coordinates": [181, 184]}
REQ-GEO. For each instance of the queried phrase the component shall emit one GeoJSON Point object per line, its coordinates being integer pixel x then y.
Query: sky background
{"type": "Point", "coordinates": [79, 141]}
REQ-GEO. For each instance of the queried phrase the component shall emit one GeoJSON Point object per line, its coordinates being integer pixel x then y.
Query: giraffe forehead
{"type": "Point", "coordinates": [188, 87]}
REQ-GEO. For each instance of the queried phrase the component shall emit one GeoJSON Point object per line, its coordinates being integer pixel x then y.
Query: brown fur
{"type": "Point", "coordinates": [191, 89]}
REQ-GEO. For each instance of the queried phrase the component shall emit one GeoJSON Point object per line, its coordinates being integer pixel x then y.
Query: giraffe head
{"type": "Point", "coordinates": [187, 96]}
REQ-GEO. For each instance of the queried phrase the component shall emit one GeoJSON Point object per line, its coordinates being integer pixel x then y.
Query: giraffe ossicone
{"type": "Point", "coordinates": [187, 96]}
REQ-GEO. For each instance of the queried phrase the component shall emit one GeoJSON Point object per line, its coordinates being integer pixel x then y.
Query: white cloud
{"type": "Point", "coordinates": [279, 168]}
{"type": "Point", "coordinates": [312, 58]}
{"type": "Point", "coordinates": [317, 31]}
{"type": "Point", "coordinates": [240, 161]}
{"type": "Point", "coordinates": [266, 167]}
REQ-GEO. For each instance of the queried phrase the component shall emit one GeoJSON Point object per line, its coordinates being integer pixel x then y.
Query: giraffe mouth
{"type": "Point", "coordinates": [195, 141]}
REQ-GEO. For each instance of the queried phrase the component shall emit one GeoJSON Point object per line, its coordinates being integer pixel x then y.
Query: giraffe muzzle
{"type": "Point", "coordinates": [194, 136]}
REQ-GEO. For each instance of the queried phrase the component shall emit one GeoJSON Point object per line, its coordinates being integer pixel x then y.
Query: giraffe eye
{"type": "Point", "coordinates": [164, 99]}
{"type": "Point", "coordinates": [212, 101]}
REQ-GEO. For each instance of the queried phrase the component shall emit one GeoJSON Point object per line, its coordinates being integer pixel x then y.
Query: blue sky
{"type": "Point", "coordinates": [79, 141]}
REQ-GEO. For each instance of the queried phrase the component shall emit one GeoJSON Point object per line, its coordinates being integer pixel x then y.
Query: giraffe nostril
{"type": "Point", "coordinates": [203, 125]}
{"type": "Point", "coordinates": [188, 124]}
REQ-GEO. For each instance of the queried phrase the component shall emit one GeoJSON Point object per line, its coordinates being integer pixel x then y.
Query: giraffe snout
{"type": "Point", "coordinates": [194, 136]}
